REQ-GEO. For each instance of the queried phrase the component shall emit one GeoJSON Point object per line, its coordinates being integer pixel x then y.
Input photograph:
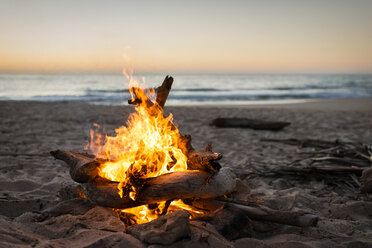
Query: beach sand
{"type": "Point", "coordinates": [31, 181]}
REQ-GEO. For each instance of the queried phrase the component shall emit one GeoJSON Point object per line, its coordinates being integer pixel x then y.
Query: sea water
{"type": "Point", "coordinates": [190, 89]}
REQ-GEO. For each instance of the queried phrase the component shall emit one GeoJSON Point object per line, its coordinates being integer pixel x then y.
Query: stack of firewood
{"type": "Point", "coordinates": [205, 185]}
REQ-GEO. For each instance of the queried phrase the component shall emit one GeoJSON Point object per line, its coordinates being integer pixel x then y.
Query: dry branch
{"type": "Point", "coordinates": [249, 123]}
{"type": "Point", "coordinates": [176, 185]}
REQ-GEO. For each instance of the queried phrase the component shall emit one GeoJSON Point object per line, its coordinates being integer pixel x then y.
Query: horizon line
{"type": "Point", "coordinates": [187, 73]}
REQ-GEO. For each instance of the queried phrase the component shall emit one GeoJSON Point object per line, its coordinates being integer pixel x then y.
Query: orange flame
{"type": "Point", "coordinates": [144, 214]}
{"type": "Point", "coordinates": [148, 146]}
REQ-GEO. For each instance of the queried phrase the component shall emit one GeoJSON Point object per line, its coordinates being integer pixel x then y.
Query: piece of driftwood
{"type": "Point", "coordinates": [250, 123]}
{"type": "Point", "coordinates": [176, 185]}
{"type": "Point", "coordinates": [165, 230]}
{"type": "Point", "coordinates": [292, 218]}
{"type": "Point", "coordinates": [231, 222]}
{"type": "Point", "coordinates": [83, 166]}
{"type": "Point", "coordinates": [163, 91]}
{"type": "Point", "coordinates": [366, 181]}
{"type": "Point", "coordinates": [258, 212]}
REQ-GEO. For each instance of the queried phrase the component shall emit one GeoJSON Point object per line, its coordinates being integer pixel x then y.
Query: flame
{"type": "Point", "coordinates": [148, 146]}
{"type": "Point", "coordinates": [143, 214]}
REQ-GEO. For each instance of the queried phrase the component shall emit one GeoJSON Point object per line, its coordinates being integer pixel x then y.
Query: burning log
{"type": "Point", "coordinates": [176, 185]}
{"type": "Point", "coordinates": [161, 97]}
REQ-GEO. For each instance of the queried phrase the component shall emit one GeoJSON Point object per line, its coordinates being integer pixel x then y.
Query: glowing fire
{"type": "Point", "coordinates": [143, 214]}
{"type": "Point", "coordinates": [148, 146]}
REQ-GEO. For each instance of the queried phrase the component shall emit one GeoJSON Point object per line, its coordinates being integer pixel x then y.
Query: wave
{"type": "Point", "coordinates": [196, 88]}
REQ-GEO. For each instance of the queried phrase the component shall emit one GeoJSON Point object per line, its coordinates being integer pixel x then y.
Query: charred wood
{"type": "Point", "coordinates": [163, 91]}
{"type": "Point", "coordinates": [249, 123]}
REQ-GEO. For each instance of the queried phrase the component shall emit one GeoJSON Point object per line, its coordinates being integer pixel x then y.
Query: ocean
{"type": "Point", "coordinates": [190, 89]}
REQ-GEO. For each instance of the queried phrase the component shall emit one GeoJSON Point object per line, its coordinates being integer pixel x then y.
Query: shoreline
{"type": "Point", "coordinates": [341, 104]}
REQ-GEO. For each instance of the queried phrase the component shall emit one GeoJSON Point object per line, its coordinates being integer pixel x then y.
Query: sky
{"type": "Point", "coordinates": [289, 36]}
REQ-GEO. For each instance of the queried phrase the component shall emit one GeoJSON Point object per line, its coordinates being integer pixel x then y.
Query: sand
{"type": "Point", "coordinates": [32, 183]}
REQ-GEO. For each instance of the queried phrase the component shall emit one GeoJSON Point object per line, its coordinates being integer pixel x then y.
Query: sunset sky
{"type": "Point", "coordinates": [186, 36]}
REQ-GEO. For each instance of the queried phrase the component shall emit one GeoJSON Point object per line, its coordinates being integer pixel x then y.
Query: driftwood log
{"type": "Point", "coordinates": [84, 166]}
{"type": "Point", "coordinates": [259, 212]}
{"type": "Point", "coordinates": [300, 219]}
{"type": "Point", "coordinates": [249, 123]}
{"type": "Point", "coordinates": [176, 185]}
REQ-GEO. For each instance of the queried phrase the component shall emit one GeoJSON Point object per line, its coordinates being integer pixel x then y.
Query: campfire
{"type": "Point", "coordinates": [149, 169]}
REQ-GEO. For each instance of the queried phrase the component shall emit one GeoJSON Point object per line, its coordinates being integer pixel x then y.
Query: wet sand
{"type": "Point", "coordinates": [31, 181]}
